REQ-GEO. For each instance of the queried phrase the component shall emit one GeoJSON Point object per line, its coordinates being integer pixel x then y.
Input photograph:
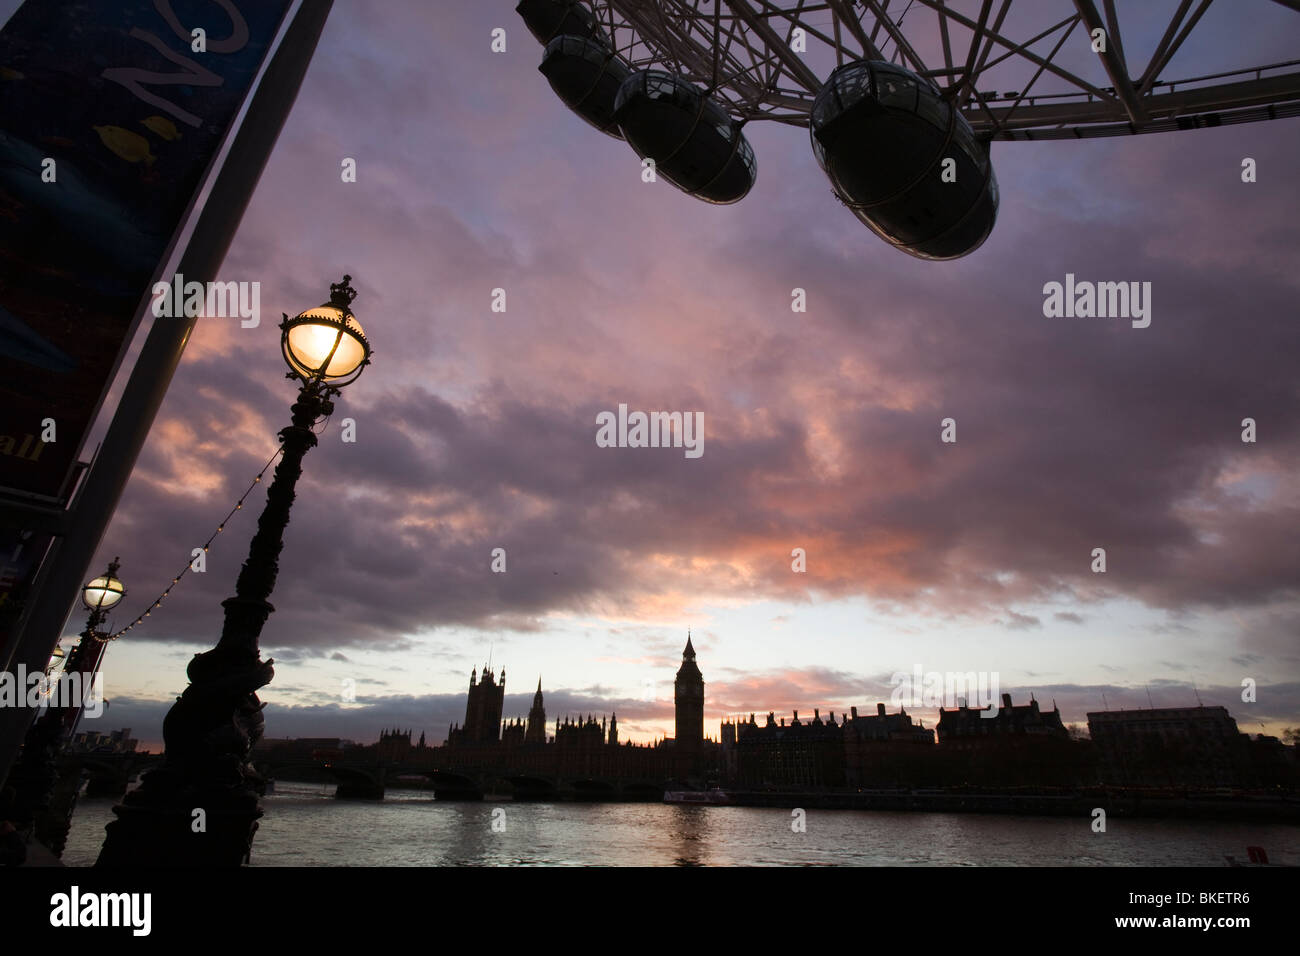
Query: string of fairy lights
{"type": "Point", "coordinates": [220, 527]}
{"type": "Point", "coordinates": [319, 427]}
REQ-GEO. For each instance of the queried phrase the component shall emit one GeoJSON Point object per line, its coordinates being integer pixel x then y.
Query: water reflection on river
{"type": "Point", "coordinates": [305, 826]}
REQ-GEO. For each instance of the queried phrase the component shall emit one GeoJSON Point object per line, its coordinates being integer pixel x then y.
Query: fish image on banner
{"type": "Point", "coordinates": [130, 146]}
{"type": "Point", "coordinates": [162, 126]}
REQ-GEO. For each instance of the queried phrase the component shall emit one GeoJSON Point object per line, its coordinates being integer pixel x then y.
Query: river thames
{"type": "Point", "coordinates": [305, 826]}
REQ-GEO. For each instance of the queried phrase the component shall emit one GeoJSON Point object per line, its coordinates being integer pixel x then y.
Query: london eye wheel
{"type": "Point", "coordinates": [902, 97]}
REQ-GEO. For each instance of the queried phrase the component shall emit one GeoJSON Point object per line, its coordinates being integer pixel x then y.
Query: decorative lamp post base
{"type": "Point", "coordinates": [163, 830]}
{"type": "Point", "coordinates": [200, 807]}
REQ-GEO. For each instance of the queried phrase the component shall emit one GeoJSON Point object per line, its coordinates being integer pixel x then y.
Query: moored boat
{"type": "Point", "coordinates": [714, 797]}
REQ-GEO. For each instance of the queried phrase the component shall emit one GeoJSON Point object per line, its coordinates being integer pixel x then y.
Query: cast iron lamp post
{"type": "Point", "coordinates": [200, 806]}
{"type": "Point", "coordinates": [44, 802]}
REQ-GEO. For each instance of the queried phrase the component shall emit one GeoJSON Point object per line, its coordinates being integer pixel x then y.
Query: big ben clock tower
{"type": "Point", "coordinates": [688, 693]}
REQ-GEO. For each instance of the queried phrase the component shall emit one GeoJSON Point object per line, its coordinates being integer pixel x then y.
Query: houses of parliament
{"type": "Point", "coordinates": [1021, 745]}
{"type": "Point", "coordinates": [584, 746]}
{"type": "Point", "coordinates": [486, 701]}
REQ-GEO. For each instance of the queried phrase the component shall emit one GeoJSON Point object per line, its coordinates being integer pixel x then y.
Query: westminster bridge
{"type": "Point", "coordinates": [104, 774]}
{"type": "Point", "coordinates": [543, 773]}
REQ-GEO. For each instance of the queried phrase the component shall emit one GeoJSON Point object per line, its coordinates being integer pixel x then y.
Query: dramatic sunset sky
{"type": "Point", "coordinates": [476, 430]}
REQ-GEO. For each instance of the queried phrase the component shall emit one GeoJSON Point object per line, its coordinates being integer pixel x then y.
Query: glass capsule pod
{"type": "Point", "coordinates": [693, 141]}
{"type": "Point", "coordinates": [586, 75]}
{"type": "Point", "coordinates": [882, 135]}
{"type": "Point", "coordinates": [547, 19]}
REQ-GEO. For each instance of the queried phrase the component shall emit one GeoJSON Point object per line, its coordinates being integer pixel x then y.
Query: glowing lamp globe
{"type": "Point", "coordinates": [326, 344]}
{"type": "Point", "coordinates": [102, 593]}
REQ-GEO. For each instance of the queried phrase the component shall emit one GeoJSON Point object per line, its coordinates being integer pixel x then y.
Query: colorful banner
{"type": "Point", "coordinates": [110, 115]}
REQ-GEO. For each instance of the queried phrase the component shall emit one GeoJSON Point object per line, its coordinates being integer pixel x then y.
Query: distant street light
{"type": "Point", "coordinates": [44, 808]}
{"type": "Point", "coordinates": [200, 806]}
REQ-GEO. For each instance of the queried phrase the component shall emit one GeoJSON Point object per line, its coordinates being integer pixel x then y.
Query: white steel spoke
{"type": "Point", "coordinates": [741, 51]}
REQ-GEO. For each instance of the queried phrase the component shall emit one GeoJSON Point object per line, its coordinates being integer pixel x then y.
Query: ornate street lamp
{"type": "Point", "coordinates": [44, 802]}
{"type": "Point", "coordinates": [200, 806]}
{"type": "Point", "coordinates": [99, 596]}
{"type": "Point", "coordinates": [102, 594]}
